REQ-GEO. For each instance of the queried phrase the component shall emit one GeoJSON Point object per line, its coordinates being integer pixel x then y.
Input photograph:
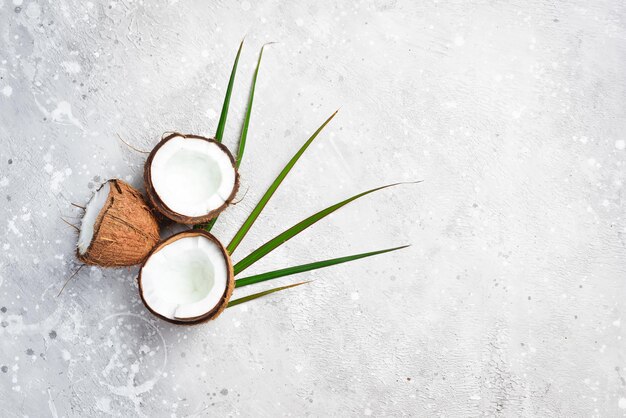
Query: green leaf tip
{"type": "Point", "coordinates": [246, 120]}
{"type": "Point", "coordinates": [308, 267]}
{"type": "Point", "coordinates": [261, 294]}
{"type": "Point", "coordinates": [241, 233]}
{"type": "Point", "coordinates": [219, 134]}
{"type": "Point", "coordinates": [280, 239]}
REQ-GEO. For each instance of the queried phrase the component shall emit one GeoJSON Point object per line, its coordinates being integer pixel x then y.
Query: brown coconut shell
{"type": "Point", "coordinates": [125, 230]}
{"type": "Point", "coordinates": [230, 284]}
{"type": "Point", "coordinates": [156, 201]}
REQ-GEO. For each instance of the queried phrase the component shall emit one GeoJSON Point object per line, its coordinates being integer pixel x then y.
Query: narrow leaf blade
{"type": "Point", "coordinates": [280, 239]}
{"type": "Point", "coordinates": [308, 267]}
{"type": "Point", "coordinates": [219, 135]}
{"type": "Point", "coordinates": [244, 130]}
{"type": "Point", "coordinates": [261, 294]}
{"type": "Point", "coordinates": [246, 120]}
{"type": "Point", "coordinates": [234, 243]}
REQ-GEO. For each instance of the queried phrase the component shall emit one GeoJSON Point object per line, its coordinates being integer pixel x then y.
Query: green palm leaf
{"type": "Point", "coordinates": [234, 243]}
{"type": "Point", "coordinates": [222, 122]}
{"type": "Point", "coordinates": [246, 122]}
{"type": "Point", "coordinates": [207, 226]}
{"type": "Point", "coordinates": [307, 267]}
{"type": "Point", "coordinates": [261, 294]}
{"type": "Point", "coordinates": [280, 239]}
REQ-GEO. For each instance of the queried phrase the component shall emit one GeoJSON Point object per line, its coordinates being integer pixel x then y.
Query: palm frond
{"type": "Point", "coordinates": [280, 239]}
{"type": "Point", "coordinates": [241, 233]}
{"type": "Point", "coordinates": [270, 275]}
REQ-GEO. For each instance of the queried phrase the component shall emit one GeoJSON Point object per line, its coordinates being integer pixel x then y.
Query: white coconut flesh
{"type": "Point", "coordinates": [192, 176]}
{"type": "Point", "coordinates": [88, 223]}
{"type": "Point", "coordinates": [185, 279]}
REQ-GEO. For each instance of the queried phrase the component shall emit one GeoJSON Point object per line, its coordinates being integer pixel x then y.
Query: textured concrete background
{"type": "Point", "coordinates": [510, 301]}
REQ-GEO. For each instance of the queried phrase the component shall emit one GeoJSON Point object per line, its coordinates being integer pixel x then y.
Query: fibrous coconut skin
{"type": "Point", "coordinates": [158, 202]}
{"type": "Point", "coordinates": [212, 311]}
{"type": "Point", "coordinates": [124, 231]}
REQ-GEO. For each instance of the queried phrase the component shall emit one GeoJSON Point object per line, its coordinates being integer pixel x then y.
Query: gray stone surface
{"type": "Point", "coordinates": [510, 301]}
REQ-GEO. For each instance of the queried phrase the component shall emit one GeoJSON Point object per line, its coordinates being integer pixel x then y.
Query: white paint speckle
{"type": "Point", "coordinates": [354, 296]}
{"type": "Point", "coordinates": [11, 227]}
{"type": "Point", "coordinates": [104, 404]}
{"type": "Point", "coordinates": [63, 114]}
{"type": "Point", "coordinates": [7, 91]}
{"type": "Point", "coordinates": [71, 67]}
{"type": "Point", "coordinates": [33, 10]}
{"type": "Point", "coordinates": [17, 2]}
{"type": "Point", "coordinates": [58, 177]}
{"type": "Point", "coordinates": [211, 113]}
{"type": "Point", "coordinates": [620, 144]}
{"type": "Point", "coordinates": [459, 40]}
{"type": "Point", "coordinates": [622, 403]}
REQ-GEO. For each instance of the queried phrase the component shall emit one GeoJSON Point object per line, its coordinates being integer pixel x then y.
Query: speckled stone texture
{"type": "Point", "coordinates": [510, 301]}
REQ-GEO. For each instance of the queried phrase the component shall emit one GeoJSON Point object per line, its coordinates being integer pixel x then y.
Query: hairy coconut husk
{"type": "Point", "coordinates": [156, 201]}
{"type": "Point", "coordinates": [230, 285]}
{"type": "Point", "coordinates": [125, 230]}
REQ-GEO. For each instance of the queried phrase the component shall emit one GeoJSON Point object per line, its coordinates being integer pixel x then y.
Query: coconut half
{"type": "Point", "coordinates": [190, 179]}
{"type": "Point", "coordinates": [187, 278]}
{"type": "Point", "coordinates": [118, 228]}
